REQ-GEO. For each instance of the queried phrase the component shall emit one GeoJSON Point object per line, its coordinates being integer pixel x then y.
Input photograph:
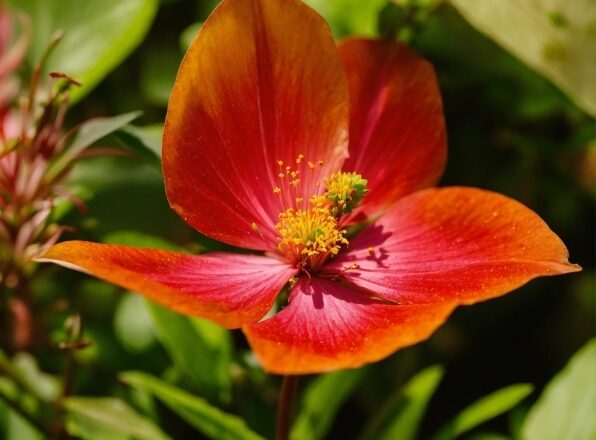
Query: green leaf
{"type": "Point", "coordinates": [483, 410]}
{"type": "Point", "coordinates": [98, 35]}
{"type": "Point", "coordinates": [158, 73]}
{"type": "Point", "coordinates": [94, 129]}
{"type": "Point", "coordinates": [133, 325]}
{"type": "Point", "coordinates": [557, 39]}
{"type": "Point", "coordinates": [189, 34]}
{"type": "Point", "coordinates": [88, 133]}
{"type": "Point", "coordinates": [14, 427]}
{"type": "Point", "coordinates": [201, 349]}
{"type": "Point", "coordinates": [321, 402]}
{"type": "Point", "coordinates": [208, 419]}
{"type": "Point", "coordinates": [42, 385]}
{"type": "Point", "coordinates": [108, 418]}
{"type": "Point", "coordinates": [566, 408]}
{"type": "Point", "coordinates": [144, 141]}
{"type": "Point", "coordinates": [400, 417]}
{"type": "Point", "coordinates": [139, 239]}
{"type": "Point", "coordinates": [350, 16]}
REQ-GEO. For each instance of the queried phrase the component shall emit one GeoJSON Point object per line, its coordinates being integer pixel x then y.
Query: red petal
{"type": "Point", "coordinates": [453, 244]}
{"type": "Point", "coordinates": [229, 289]}
{"type": "Point", "coordinates": [327, 326]}
{"type": "Point", "coordinates": [261, 82]}
{"type": "Point", "coordinates": [397, 130]}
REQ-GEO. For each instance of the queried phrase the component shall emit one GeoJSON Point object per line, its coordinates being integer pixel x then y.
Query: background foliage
{"type": "Point", "coordinates": [518, 123]}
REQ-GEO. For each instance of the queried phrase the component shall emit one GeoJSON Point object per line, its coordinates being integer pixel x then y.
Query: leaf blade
{"type": "Point", "coordinates": [566, 407]}
{"type": "Point", "coordinates": [484, 409]}
{"type": "Point", "coordinates": [208, 419]}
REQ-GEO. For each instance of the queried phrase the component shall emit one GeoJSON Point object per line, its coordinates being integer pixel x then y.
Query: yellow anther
{"type": "Point", "coordinates": [319, 202]}
{"type": "Point", "coordinates": [309, 236]}
{"type": "Point", "coordinates": [371, 250]}
{"type": "Point", "coordinates": [254, 226]}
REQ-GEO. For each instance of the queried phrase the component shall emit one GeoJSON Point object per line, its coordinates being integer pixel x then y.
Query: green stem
{"type": "Point", "coordinates": [287, 393]}
{"type": "Point", "coordinates": [17, 408]}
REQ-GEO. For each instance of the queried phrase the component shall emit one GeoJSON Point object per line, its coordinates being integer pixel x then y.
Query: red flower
{"type": "Point", "coordinates": [257, 126]}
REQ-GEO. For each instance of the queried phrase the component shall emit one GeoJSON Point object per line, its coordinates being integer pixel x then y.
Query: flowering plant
{"type": "Point", "coordinates": [319, 160]}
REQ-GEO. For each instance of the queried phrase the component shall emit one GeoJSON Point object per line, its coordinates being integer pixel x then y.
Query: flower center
{"type": "Point", "coordinates": [310, 233]}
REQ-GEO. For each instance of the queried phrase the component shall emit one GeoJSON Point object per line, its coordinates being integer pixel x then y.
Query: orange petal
{"type": "Point", "coordinates": [261, 82]}
{"type": "Point", "coordinates": [229, 289]}
{"type": "Point", "coordinates": [453, 244]}
{"type": "Point", "coordinates": [397, 130]}
{"type": "Point", "coordinates": [328, 326]}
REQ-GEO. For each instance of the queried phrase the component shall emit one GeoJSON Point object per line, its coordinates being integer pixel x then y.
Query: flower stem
{"type": "Point", "coordinates": [284, 412]}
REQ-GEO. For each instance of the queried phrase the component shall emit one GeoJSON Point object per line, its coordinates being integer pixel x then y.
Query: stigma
{"type": "Point", "coordinates": [310, 231]}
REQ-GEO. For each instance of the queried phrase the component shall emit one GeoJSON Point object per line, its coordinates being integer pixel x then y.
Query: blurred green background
{"type": "Point", "coordinates": [510, 130]}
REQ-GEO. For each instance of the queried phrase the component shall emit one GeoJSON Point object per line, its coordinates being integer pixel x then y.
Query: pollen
{"type": "Point", "coordinates": [310, 227]}
{"type": "Point", "coordinates": [345, 191]}
{"type": "Point", "coordinates": [310, 236]}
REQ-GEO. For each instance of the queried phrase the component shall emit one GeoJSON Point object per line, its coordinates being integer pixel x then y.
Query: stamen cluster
{"type": "Point", "coordinates": [309, 235]}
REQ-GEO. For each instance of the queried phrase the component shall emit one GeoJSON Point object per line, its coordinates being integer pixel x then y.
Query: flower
{"type": "Point", "coordinates": [257, 154]}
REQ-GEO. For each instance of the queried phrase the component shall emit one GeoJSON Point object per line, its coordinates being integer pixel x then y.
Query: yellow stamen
{"type": "Point", "coordinates": [308, 237]}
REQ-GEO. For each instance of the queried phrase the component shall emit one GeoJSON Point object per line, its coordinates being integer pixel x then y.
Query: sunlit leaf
{"type": "Point", "coordinates": [400, 417]}
{"type": "Point", "coordinates": [139, 239]}
{"type": "Point", "coordinates": [321, 402]}
{"type": "Point", "coordinates": [201, 349]}
{"type": "Point", "coordinates": [42, 385]}
{"type": "Point", "coordinates": [108, 418]}
{"type": "Point", "coordinates": [94, 129]}
{"type": "Point", "coordinates": [555, 38]}
{"type": "Point", "coordinates": [350, 16]}
{"type": "Point", "coordinates": [208, 419]}
{"type": "Point", "coordinates": [483, 410]}
{"type": "Point", "coordinates": [14, 427]}
{"type": "Point", "coordinates": [132, 324]}
{"type": "Point", "coordinates": [189, 34]}
{"type": "Point", "coordinates": [98, 34]}
{"type": "Point", "coordinates": [567, 407]}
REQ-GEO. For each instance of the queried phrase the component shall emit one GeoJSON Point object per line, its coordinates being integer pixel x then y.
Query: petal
{"type": "Point", "coordinates": [229, 289]}
{"type": "Point", "coordinates": [327, 326]}
{"type": "Point", "coordinates": [261, 82]}
{"type": "Point", "coordinates": [453, 244]}
{"type": "Point", "coordinates": [397, 130]}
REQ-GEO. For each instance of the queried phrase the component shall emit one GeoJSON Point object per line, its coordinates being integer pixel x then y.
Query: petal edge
{"type": "Point", "coordinates": [229, 289]}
